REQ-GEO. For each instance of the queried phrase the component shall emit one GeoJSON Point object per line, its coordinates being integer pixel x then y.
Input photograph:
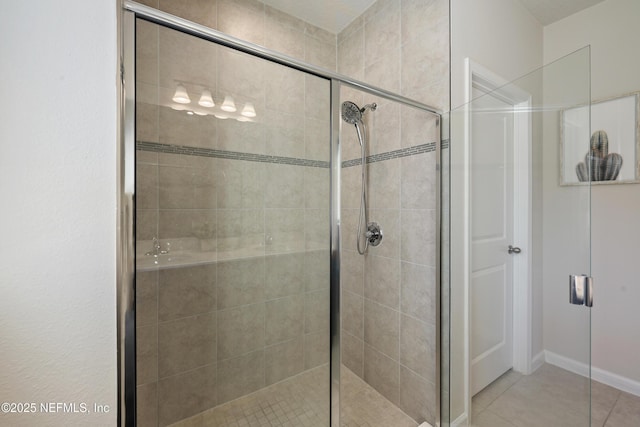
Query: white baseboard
{"type": "Point", "coordinates": [597, 374]}
{"type": "Point", "coordinates": [566, 363]}
{"type": "Point", "coordinates": [460, 421]}
{"type": "Point", "coordinates": [537, 361]}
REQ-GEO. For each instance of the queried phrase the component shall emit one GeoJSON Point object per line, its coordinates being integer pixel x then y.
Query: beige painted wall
{"type": "Point", "coordinates": [565, 236]}
{"type": "Point", "coordinates": [501, 35]}
{"type": "Point", "coordinates": [506, 40]}
{"type": "Point", "coordinates": [58, 191]}
{"type": "Point", "coordinates": [611, 28]}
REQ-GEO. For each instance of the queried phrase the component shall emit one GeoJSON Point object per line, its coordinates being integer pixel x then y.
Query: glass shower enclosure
{"type": "Point", "coordinates": [252, 305]}
{"type": "Point", "coordinates": [520, 292]}
{"type": "Point", "coordinates": [232, 228]}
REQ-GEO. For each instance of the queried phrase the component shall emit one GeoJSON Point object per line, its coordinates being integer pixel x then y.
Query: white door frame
{"type": "Point", "coordinates": [480, 77]}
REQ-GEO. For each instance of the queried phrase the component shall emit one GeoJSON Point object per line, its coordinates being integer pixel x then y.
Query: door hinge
{"type": "Point", "coordinates": [581, 290]}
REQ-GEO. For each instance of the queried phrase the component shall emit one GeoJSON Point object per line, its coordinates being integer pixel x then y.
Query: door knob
{"type": "Point", "coordinates": [513, 250]}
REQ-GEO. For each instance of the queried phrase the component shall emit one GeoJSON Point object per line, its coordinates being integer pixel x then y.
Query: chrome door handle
{"type": "Point", "coordinates": [513, 250]}
{"type": "Point", "coordinates": [581, 290]}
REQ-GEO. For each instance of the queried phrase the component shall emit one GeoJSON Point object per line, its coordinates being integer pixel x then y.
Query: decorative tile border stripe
{"type": "Point", "coordinates": [222, 154]}
{"type": "Point", "coordinates": [395, 154]}
{"type": "Point", "coordinates": [250, 157]}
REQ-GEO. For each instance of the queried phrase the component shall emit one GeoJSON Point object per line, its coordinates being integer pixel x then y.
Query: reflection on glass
{"type": "Point", "coordinates": [511, 322]}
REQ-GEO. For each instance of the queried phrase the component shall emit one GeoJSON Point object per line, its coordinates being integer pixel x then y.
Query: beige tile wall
{"type": "Point", "coordinates": [389, 295]}
{"type": "Point", "coordinates": [211, 333]}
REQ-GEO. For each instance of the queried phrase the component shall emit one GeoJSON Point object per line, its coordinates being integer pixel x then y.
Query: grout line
{"type": "Point", "coordinates": [156, 232]}
{"type": "Point", "coordinates": [495, 415]}
{"type": "Point", "coordinates": [157, 326]}
{"type": "Point", "coordinates": [188, 371]}
{"type": "Point", "coordinates": [604, 423]}
{"type": "Point", "coordinates": [503, 392]}
{"type": "Point", "coordinates": [217, 290]}
{"type": "Point", "coordinates": [427, 380]}
{"type": "Point", "coordinates": [191, 316]}
{"type": "Point", "coordinates": [363, 259]}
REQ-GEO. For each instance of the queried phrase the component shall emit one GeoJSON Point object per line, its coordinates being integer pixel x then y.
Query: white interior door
{"type": "Point", "coordinates": [491, 232]}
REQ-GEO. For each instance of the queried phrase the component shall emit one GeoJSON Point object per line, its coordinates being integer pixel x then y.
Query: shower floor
{"type": "Point", "coordinates": [303, 401]}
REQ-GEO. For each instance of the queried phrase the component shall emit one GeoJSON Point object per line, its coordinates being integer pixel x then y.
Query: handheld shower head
{"type": "Point", "coordinates": [351, 113]}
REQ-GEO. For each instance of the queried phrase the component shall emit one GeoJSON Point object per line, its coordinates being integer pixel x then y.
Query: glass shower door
{"type": "Point", "coordinates": [522, 153]}
{"type": "Point", "coordinates": [232, 236]}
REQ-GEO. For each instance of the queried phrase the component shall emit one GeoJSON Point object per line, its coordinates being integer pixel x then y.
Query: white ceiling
{"type": "Point", "coordinates": [335, 15]}
{"type": "Point", "coordinates": [550, 11]}
{"type": "Point", "coordinates": [331, 15]}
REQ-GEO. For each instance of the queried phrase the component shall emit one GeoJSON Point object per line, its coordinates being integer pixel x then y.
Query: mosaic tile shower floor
{"type": "Point", "coordinates": [302, 401]}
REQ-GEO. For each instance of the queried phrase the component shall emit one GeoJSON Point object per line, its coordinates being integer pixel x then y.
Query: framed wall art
{"type": "Point", "coordinates": [605, 152]}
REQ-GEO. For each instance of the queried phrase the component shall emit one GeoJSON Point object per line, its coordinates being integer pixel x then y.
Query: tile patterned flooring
{"type": "Point", "coordinates": [552, 397]}
{"type": "Point", "coordinates": [302, 401]}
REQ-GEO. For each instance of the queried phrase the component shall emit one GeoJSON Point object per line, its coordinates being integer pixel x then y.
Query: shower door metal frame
{"type": "Point", "coordinates": [125, 239]}
{"type": "Point", "coordinates": [126, 196]}
{"type": "Point", "coordinates": [334, 268]}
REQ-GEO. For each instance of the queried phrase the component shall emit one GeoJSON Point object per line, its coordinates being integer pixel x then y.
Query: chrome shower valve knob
{"type": "Point", "coordinates": [373, 234]}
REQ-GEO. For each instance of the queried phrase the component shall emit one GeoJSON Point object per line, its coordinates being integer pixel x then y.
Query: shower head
{"type": "Point", "coordinates": [351, 113]}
